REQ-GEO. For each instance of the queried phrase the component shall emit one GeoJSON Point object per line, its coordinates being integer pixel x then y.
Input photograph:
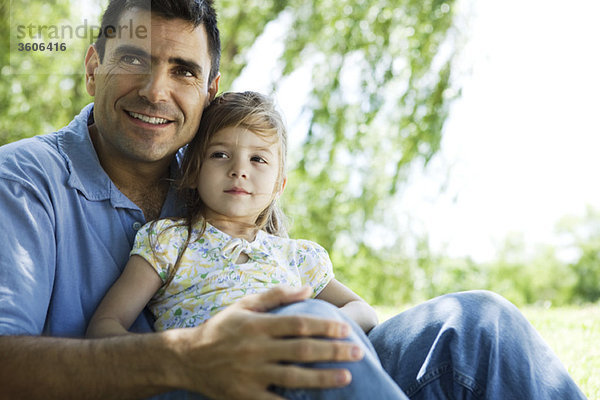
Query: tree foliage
{"type": "Point", "coordinates": [583, 233]}
{"type": "Point", "coordinates": [380, 90]}
{"type": "Point", "coordinates": [379, 95]}
{"type": "Point", "coordinates": [39, 91]}
{"type": "Point", "coordinates": [555, 275]}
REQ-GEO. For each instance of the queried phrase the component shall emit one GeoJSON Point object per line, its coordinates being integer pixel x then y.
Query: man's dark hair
{"type": "Point", "coordinates": [196, 12]}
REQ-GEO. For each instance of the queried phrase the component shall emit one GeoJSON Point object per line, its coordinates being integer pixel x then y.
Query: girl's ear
{"type": "Point", "coordinates": [283, 183]}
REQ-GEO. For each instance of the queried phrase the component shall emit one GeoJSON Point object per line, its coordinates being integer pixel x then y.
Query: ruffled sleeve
{"type": "Point", "coordinates": [159, 243]}
{"type": "Point", "coordinates": [314, 265]}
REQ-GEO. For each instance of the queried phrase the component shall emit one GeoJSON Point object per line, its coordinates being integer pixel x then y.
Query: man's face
{"type": "Point", "coordinates": [149, 91]}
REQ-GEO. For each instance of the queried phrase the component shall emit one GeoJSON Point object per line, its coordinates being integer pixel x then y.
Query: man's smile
{"type": "Point", "coordinates": [148, 119]}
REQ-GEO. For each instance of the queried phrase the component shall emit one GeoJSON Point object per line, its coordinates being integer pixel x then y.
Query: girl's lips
{"type": "Point", "coordinates": [236, 191]}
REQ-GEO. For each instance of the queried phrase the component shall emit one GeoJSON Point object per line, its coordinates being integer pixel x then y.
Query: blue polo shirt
{"type": "Point", "coordinates": [65, 233]}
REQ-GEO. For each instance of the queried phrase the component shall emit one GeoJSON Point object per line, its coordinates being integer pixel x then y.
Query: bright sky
{"type": "Point", "coordinates": [523, 139]}
{"type": "Point", "coordinates": [521, 142]}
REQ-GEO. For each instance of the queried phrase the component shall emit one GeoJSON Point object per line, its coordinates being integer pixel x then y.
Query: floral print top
{"type": "Point", "coordinates": [208, 278]}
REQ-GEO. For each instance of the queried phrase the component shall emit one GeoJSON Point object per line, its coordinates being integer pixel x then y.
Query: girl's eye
{"type": "Point", "coordinates": [218, 154]}
{"type": "Point", "coordinates": [258, 159]}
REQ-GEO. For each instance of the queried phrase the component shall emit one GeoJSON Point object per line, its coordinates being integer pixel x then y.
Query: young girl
{"type": "Point", "coordinates": [233, 241]}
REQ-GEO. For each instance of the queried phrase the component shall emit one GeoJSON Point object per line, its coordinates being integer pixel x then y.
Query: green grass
{"type": "Point", "coordinates": [572, 332]}
{"type": "Point", "coordinates": [574, 335]}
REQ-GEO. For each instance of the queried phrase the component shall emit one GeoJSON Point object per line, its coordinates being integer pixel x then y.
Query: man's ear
{"type": "Point", "coordinates": [213, 88]}
{"type": "Point", "coordinates": [92, 61]}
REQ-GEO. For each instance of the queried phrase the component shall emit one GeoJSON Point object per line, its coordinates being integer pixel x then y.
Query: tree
{"type": "Point", "coordinates": [40, 91]}
{"type": "Point", "coordinates": [380, 93]}
{"type": "Point", "coordinates": [381, 88]}
{"type": "Point", "coordinates": [583, 235]}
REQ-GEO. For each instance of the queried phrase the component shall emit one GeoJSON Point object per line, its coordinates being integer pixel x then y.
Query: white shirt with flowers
{"type": "Point", "coordinates": [208, 279]}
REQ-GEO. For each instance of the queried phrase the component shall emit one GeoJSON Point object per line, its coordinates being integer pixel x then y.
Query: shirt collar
{"type": "Point", "coordinates": [85, 172]}
{"type": "Point", "coordinates": [231, 247]}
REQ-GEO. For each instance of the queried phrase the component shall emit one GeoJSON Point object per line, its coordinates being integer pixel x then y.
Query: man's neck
{"type": "Point", "coordinates": [149, 198]}
{"type": "Point", "coordinates": [145, 184]}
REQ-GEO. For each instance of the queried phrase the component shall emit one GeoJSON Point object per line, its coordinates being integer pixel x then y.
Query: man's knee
{"type": "Point", "coordinates": [484, 297]}
{"type": "Point", "coordinates": [465, 312]}
{"type": "Point", "coordinates": [322, 309]}
{"type": "Point", "coordinates": [484, 304]}
{"type": "Point", "coordinates": [312, 307]}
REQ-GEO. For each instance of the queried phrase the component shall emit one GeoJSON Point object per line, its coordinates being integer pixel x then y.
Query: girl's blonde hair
{"type": "Point", "coordinates": [254, 112]}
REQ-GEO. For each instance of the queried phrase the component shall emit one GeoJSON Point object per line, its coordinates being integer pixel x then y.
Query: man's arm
{"type": "Point", "coordinates": [35, 367]}
{"type": "Point", "coordinates": [237, 354]}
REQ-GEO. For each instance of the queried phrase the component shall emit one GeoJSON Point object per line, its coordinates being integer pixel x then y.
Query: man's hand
{"type": "Point", "coordinates": [241, 351]}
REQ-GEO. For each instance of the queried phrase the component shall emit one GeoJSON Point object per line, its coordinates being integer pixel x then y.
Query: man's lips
{"type": "Point", "coordinates": [149, 119]}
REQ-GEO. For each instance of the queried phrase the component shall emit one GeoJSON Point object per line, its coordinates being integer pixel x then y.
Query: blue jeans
{"type": "Point", "coordinates": [469, 345]}
{"type": "Point", "coordinates": [369, 379]}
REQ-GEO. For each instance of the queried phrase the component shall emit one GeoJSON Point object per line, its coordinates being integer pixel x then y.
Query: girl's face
{"type": "Point", "coordinates": [239, 175]}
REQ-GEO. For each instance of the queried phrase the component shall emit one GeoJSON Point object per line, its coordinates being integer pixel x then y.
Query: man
{"type": "Point", "coordinates": [70, 203]}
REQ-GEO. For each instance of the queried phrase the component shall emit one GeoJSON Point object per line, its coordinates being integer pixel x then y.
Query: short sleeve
{"type": "Point", "coordinates": [27, 259]}
{"type": "Point", "coordinates": [314, 265]}
{"type": "Point", "coordinates": [159, 243]}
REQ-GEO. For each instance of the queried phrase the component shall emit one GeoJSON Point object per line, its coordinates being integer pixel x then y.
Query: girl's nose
{"type": "Point", "coordinates": [238, 170]}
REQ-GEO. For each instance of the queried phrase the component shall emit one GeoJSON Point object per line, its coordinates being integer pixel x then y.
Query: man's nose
{"type": "Point", "coordinates": [155, 85]}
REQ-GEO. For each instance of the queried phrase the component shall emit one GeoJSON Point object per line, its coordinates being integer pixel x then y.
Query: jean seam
{"type": "Point", "coordinates": [295, 394]}
{"type": "Point", "coordinates": [459, 377]}
{"type": "Point", "coordinates": [428, 378]}
{"type": "Point", "coordinates": [470, 383]}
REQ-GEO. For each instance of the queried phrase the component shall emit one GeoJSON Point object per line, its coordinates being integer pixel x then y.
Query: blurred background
{"type": "Point", "coordinates": [436, 146]}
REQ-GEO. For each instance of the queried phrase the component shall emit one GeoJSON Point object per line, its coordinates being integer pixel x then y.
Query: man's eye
{"type": "Point", "coordinates": [131, 60]}
{"type": "Point", "coordinates": [185, 72]}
